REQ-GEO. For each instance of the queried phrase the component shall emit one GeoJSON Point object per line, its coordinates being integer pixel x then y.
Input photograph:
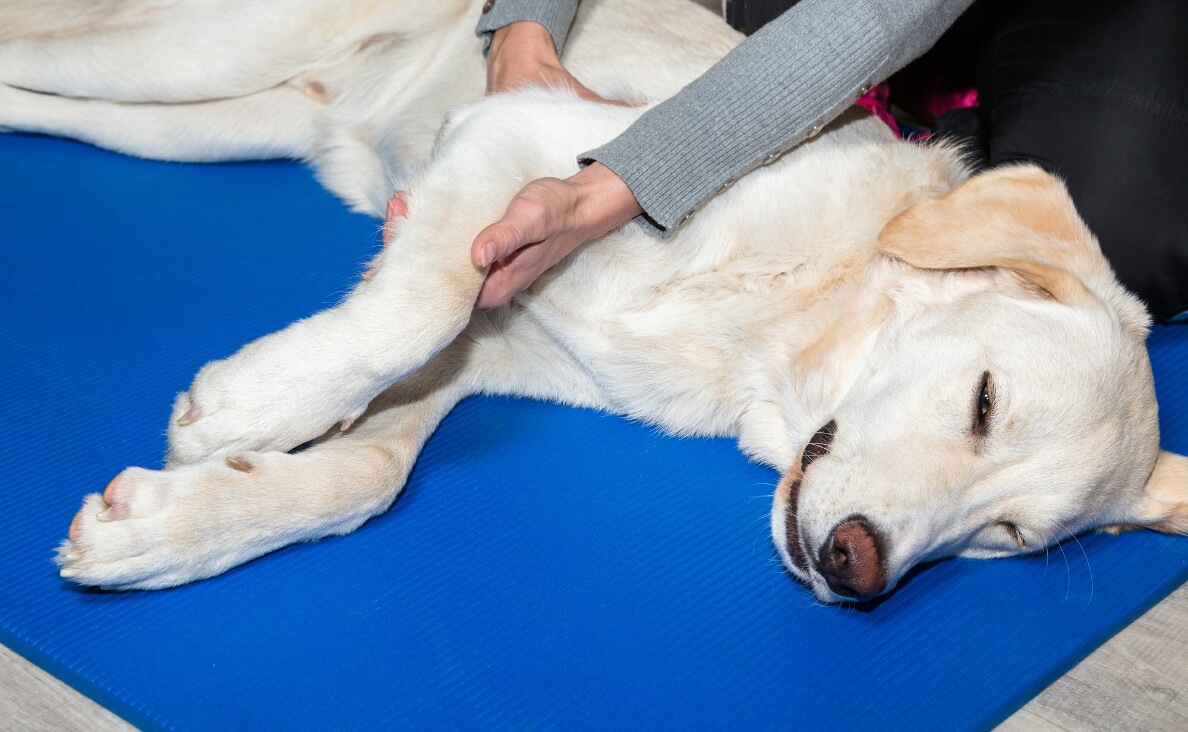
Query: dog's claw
{"type": "Point", "coordinates": [112, 513]}
{"type": "Point", "coordinates": [240, 463]}
{"type": "Point", "coordinates": [346, 424]}
{"type": "Point", "coordinates": [190, 417]}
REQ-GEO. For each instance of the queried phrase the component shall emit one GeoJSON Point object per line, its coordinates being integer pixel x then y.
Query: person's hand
{"type": "Point", "coordinates": [522, 54]}
{"type": "Point", "coordinates": [397, 212]}
{"type": "Point", "coordinates": [547, 220]}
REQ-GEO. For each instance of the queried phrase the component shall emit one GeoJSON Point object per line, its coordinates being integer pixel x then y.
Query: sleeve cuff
{"type": "Point", "coordinates": [555, 15]}
{"type": "Point", "coordinates": [775, 90]}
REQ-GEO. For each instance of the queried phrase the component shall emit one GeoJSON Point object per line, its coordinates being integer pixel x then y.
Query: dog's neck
{"type": "Point", "coordinates": [818, 334]}
{"type": "Point", "coordinates": [814, 355]}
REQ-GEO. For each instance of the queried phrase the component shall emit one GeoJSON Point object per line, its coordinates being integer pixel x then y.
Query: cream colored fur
{"type": "Point", "coordinates": [775, 309]}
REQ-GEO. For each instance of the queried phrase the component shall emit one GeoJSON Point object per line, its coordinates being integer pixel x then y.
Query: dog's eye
{"type": "Point", "coordinates": [818, 446]}
{"type": "Point", "coordinates": [1014, 533]}
{"type": "Point", "coordinates": [983, 405]}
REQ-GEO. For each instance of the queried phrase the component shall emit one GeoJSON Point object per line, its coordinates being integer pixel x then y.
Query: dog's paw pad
{"type": "Point", "coordinates": [115, 500]}
{"type": "Point", "coordinates": [135, 492]}
{"type": "Point", "coordinates": [75, 532]}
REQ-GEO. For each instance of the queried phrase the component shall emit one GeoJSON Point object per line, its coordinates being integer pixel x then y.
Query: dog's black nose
{"type": "Point", "coordinates": [851, 560]}
{"type": "Point", "coordinates": [818, 446]}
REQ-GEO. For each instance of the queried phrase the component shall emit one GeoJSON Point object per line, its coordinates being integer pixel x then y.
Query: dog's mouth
{"type": "Point", "coordinates": [796, 550]}
{"type": "Point", "coordinates": [817, 447]}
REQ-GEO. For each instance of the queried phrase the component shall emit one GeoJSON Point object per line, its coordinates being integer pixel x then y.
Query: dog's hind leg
{"type": "Point", "coordinates": [57, 18]}
{"type": "Point", "coordinates": [275, 123]}
{"type": "Point", "coordinates": [191, 51]}
{"type": "Point", "coordinates": [159, 528]}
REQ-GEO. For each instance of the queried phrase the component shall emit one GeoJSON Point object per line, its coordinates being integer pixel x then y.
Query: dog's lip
{"type": "Point", "coordinates": [795, 546]}
{"type": "Point", "coordinates": [817, 447]}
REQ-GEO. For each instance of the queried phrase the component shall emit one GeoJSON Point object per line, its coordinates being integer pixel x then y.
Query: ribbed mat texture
{"type": "Point", "coordinates": [545, 568]}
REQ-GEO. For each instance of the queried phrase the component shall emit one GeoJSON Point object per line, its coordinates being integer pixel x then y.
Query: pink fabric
{"type": "Point", "coordinates": [877, 102]}
{"type": "Point", "coordinates": [942, 102]}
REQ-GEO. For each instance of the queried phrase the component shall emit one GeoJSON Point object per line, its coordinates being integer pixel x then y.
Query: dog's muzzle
{"type": "Point", "coordinates": [851, 559]}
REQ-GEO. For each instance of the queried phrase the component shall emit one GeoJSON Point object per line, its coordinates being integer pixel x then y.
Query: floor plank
{"type": "Point", "coordinates": [33, 701]}
{"type": "Point", "coordinates": [1136, 681]}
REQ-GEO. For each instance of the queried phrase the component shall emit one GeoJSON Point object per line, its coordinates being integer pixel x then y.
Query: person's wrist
{"type": "Point", "coordinates": [603, 200]}
{"type": "Point", "coordinates": [526, 40]}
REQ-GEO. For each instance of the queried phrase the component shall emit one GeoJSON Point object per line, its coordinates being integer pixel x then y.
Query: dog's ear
{"type": "Point", "coordinates": [1019, 218]}
{"type": "Point", "coordinates": [1163, 503]}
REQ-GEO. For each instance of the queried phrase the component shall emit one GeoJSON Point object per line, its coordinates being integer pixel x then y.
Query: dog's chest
{"type": "Point", "coordinates": [688, 354]}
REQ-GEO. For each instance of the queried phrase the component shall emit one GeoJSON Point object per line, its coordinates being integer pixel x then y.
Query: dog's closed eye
{"type": "Point", "coordinates": [1014, 532]}
{"type": "Point", "coordinates": [983, 406]}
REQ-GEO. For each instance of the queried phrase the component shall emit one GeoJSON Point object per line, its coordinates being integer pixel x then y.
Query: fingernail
{"type": "Point", "coordinates": [487, 254]}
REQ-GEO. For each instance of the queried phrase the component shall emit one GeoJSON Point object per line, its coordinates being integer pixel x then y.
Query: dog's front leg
{"type": "Point", "coordinates": [159, 528]}
{"type": "Point", "coordinates": [290, 387]}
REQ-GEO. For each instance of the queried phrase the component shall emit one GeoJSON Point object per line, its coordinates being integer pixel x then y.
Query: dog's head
{"type": "Point", "coordinates": [1007, 404]}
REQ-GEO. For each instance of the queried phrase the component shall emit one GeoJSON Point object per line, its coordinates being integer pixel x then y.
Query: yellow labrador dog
{"type": "Point", "coordinates": [938, 364]}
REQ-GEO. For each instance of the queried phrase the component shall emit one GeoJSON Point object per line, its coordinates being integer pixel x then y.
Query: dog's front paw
{"type": "Point", "coordinates": [224, 412]}
{"type": "Point", "coordinates": [266, 399]}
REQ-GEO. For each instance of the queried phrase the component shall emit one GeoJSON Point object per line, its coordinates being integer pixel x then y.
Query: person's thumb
{"type": "Point", "coordinates": [526, 222]}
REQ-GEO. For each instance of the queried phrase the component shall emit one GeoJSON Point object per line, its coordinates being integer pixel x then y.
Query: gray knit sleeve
{"type": "Point", "coordinates": [555, 15]}
{"type": "Point", "coordinates": [776, 89]}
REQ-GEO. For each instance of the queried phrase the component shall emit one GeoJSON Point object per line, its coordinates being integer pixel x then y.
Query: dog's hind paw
{"type": "Point", "coordinates": [118, 538]}
{"type": "Point", "coordinates": [154, 529]}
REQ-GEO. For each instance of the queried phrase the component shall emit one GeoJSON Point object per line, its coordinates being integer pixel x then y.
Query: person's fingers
{"type": "Point", "coordinates": [397, 209]}
{"type": "Point", "coordinates": [514, 273]}
{"type": "Point", "coordinates": [591, 96]}
{"type": "Point", "coordinates": [501, 239]}
{"type": "Point", "coordinates": [499, 287]}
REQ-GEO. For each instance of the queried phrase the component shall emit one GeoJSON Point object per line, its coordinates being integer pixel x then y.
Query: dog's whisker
{"type": "Point", "coordinates": [1088, 564]}
{"type": "Point", "coordinates": [1088, 568]}
{"type": "Point", "coordinates": [1068, 571]}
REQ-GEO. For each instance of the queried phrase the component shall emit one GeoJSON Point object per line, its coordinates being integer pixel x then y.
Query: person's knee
{"type": "Point", "coordinates": [1093, 92]}
{"type": "Point", "coordinates": [1126, 172]}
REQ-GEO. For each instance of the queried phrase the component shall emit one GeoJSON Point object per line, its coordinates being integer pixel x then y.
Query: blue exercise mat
{"type": "Point", "coordinates": [545, 567]}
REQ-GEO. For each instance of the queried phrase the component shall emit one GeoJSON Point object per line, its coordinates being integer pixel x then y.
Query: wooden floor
{"type": "Point", "coordinates": [1137, 681]}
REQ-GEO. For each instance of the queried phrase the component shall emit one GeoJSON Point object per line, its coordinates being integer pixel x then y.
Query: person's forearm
{"type": "Point", "coordinates": [555, 15]}
{"type": "Point", "coordinates": [772, 92]}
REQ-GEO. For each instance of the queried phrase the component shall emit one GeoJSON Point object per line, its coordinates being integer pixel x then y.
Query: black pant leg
{"type": "Point", "coordinates": [749, 16]}
{"type": "Point", "coordinates": [1096, 91]}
